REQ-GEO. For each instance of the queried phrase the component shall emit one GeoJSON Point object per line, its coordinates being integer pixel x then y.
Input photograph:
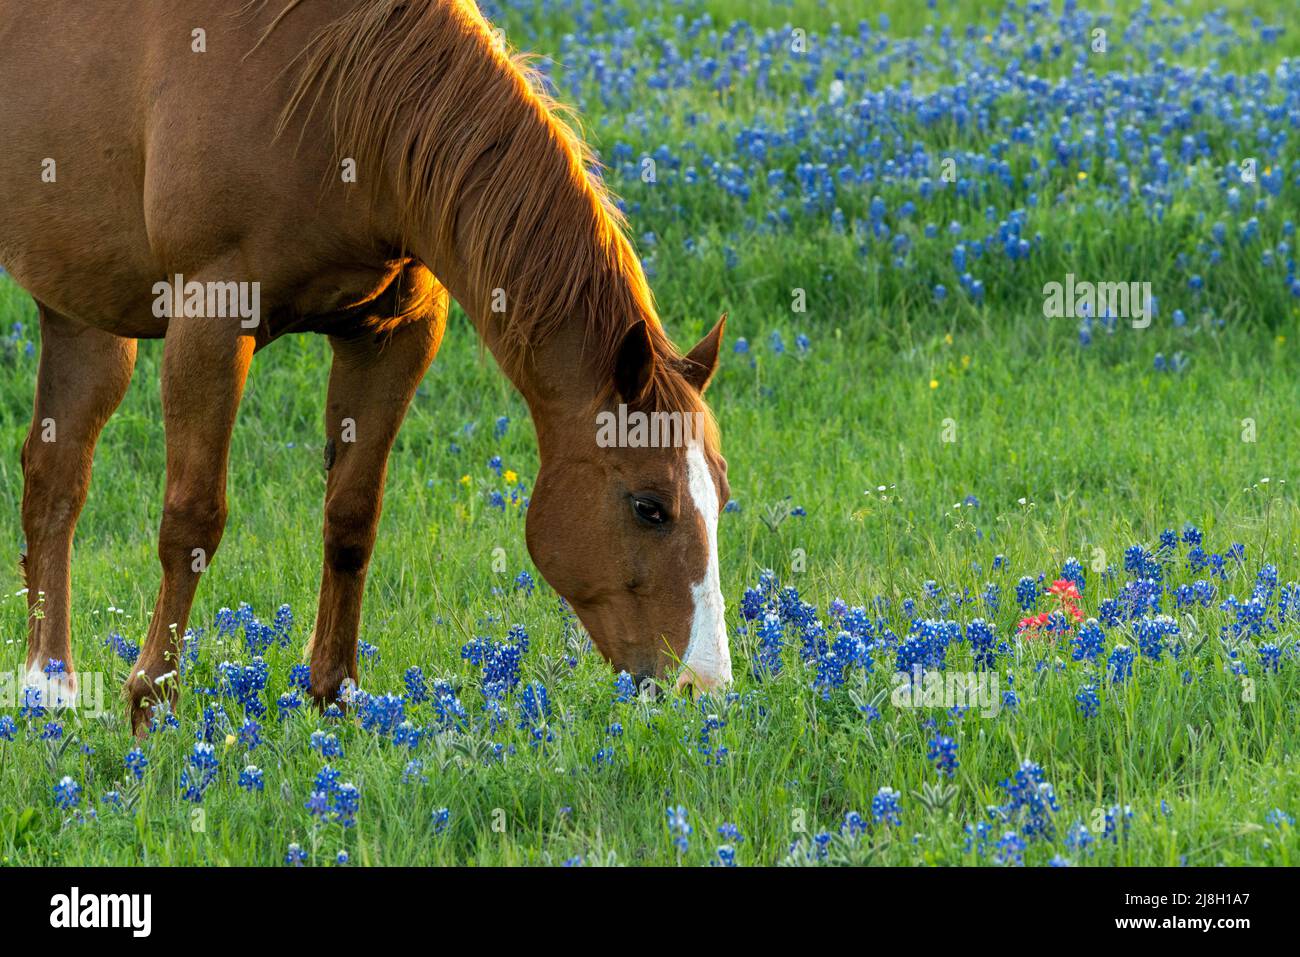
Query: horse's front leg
{"type": "Point", "coordinates": [205, 364]}
{"type": "Point", "coordinates": [83, 375]}
{"type": "Point", "coordinates": [372, 381]}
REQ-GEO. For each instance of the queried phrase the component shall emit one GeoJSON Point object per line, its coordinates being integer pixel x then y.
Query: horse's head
{"type": "Point", "coordinates": [623, 520]}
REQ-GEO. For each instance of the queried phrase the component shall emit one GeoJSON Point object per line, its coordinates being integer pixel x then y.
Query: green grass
{"type": "Point", "coordinates": [1104, 451]}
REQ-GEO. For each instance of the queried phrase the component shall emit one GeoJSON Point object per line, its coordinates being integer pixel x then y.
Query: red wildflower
{"type": "Point", "coordinates": [1068, 595]}
{"type": "Point", "coordinates": [1064, 589]}
{"type": "Point", "coordinates": [1029, 627]}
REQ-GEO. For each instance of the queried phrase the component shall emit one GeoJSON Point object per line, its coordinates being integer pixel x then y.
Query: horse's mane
{"type": "Point", "coordinates": [489, 166]}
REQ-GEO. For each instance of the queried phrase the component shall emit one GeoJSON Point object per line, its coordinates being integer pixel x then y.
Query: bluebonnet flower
{"type": "Point", "coordinates": [1079, 839]}
{"type": "Point", "coordinates": [1089, 702]}
{"type": "Point", "coordinates": [282, 625]}
{"type": "Point", "coordinates": [67, 793]}
{"type": "Point", "coordinates": [381, 714]}
{"type": "Point", "coordinates": [978, 836]}
{"type": "Point", "coordinates": [1072, 571]}
{"type": "Point", "coordinates": [885, 807]}
{"type": "Point", "coordinates": [213, 725]}
{"type": "Point", "coordinates": [416, 689]}
{"type": "Point", "coordinates": [980, 635]}
{"type": "Point", "coordinates": [347, 799]}
{"type": "Point", "coordinates": [853, 825]}
{"type": "Point", "coordinates": [534, 712]}
{"type": "Point", "coordinates": [943, 752]}
{"type": "Point", "coordinates": [199, 773]}
{"type": "Point", "coordinates": [679, 828]}
{"type": "Point", "coordinates": [251, 779]}
{"type": "Point", "coordinates": [713, 754]}
{"type": "Point", "coordinates": [926, 646]}
{"type": "Point", "coordinates": [1250, 617]}
{"type": "Point", "coordinates": [32, 708]}
{"type": "Point", "coordinates": [624, 688]}
{"type": "Point", "coordinates": [7, 728]}
{"type": "Point", "coordinates": [1141, 563]}
{"type": "Point", "coordinates": [330, 800]}
{"type": "Point", "coordinates": [758, 600]}
{"type": "Point", "coordinates": [992, 597]}
{"type": "Point", "coordinates": [1010, 850]}
{"type": "Point", "coordinates": [500, 661]}
{"type": "Point", "coordinates": [1279, 818]}
{"type": "Point", "coordinates": [1121, 663]}
{"type": "Point", "coordinates": [327, 744]}
{"type": "Point", "coordinates": [127, 650]}
{"type": "Point", "coordinates": [295, 856]}
{"type": "Point", "coordinates": [1090, 643]}
{"type": "Point", "coordinates": [300, 677]}
{"type": "Point", "coordinates": [1153, 633]}
{"type": "Point", "coordinates": [136, 762]}
{"type": "Point", "coordinates": [1117, 819]}
{"type": "Point", "coordinates": [244, 683]}
{"type": "Point", "coordinates": [845, 652]}
{"type": "Point", "coordinates": [1026, 593]}
{"type": "Point", "coordinates": [1031, 802]}
{"type": "Point", "coordinates": [447, 707]}
{"type": "Point", "coordinates": [441, 818]}
{"type": "Point", "coordinates": [767, 657]}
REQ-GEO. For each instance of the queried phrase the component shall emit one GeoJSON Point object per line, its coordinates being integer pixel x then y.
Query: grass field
{"type": "Point", "coordinates": [1007, 444]}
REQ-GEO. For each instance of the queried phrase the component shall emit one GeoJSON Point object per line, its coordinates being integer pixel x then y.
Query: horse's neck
{"type": "Point", "coordinates": [553, 376]}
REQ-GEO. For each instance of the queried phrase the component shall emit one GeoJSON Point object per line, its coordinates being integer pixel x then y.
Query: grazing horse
{"type": "Point", "coordinates": [220, 178]}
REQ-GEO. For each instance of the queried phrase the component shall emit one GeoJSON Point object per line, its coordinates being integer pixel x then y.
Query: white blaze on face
{"type": "Point", "coordinates": [707, 663]}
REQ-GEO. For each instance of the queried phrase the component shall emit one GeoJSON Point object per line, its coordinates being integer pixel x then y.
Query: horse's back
{"type": "Point", "coordinates": [70, 76]}
{"type": "Point", "coordinates": [142, 142]}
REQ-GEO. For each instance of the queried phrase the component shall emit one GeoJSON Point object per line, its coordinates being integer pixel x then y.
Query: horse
{"type": "Point", "coordinates": [222, 177]}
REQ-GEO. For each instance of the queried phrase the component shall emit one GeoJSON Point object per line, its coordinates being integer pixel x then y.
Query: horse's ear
{"type": "Point", "coordinates": [634, 367]}
{"type": "Point", "coordinates": [702, 362]}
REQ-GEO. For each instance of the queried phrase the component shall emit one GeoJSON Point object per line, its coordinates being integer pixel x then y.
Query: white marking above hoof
{"type": "Point", "coordinates": [57, 692]}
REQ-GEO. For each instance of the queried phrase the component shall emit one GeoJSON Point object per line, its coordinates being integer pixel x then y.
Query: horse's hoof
{"type": "Point", "coordinates": [149, 700]}
{"type": "Point", "coordinates": [331, 684]}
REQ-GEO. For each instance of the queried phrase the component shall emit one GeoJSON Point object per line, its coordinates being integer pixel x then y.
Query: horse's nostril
{"type": "Point", "coordinates": [646, 685]}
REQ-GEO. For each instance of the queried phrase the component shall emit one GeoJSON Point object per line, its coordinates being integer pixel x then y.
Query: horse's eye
{"type": "Point", "coordinates": [648, 510]}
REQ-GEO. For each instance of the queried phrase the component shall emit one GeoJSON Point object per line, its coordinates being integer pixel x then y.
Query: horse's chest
{"type": "Point", "coordinates": [342, 291]}
{"type": "Point", "coordinates": [352, 301]}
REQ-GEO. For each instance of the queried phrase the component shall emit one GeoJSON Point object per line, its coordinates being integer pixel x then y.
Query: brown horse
{"type": "Point", "coordinates": [223, 178]}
